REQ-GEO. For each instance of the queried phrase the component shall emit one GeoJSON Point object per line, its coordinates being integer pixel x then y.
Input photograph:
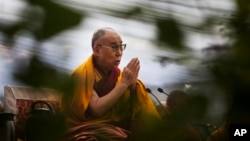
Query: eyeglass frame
{"type": "Point", "coordinates": [115, 47]}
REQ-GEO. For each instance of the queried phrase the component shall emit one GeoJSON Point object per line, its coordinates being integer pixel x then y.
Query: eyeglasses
{"type": "Point", "coordinates": [116, 48]}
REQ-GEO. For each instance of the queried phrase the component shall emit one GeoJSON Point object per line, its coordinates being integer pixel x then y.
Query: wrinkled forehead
{"type": "Point", "coordinates": [111, 36]}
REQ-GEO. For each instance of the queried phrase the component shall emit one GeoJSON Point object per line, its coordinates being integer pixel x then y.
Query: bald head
{"type": "Point", "coordinates": [101, 33]}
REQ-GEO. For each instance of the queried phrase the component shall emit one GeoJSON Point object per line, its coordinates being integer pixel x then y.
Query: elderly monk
{"type": "Point", "coordinates": [107, 103]}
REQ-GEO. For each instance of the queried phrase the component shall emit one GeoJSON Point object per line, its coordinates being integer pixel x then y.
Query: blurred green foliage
{"type": "Point", "coordinates": [170, 33]}
{"type": "Point", "coordinates": [53, 18]}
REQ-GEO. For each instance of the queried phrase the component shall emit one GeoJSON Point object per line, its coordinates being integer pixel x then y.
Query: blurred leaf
{"type": "Point", "coordinates": [9, 31]}
{"type": "Point", "coordinates": [57, 19]}
{"type": "Point", "coordinates": [170, 33]}
{"type": "Point", "coordinates": [125, 14]}
{"type": "Point", "coordinates": [133, 11]}
{"type": "Point", "coordinates": [165, 60]}
{"type": "Point", "coordinates": [208, 24]}
{"type": "Point", "coordinates": [40, 74]}
{"type": "Point", "coordinates": [13, 29]}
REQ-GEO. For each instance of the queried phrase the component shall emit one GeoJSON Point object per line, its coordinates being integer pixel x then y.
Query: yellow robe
{"type": "Point", "coordinates": [86, 76]}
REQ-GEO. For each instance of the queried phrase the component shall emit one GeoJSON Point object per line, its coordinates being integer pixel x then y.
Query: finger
{"type": "Point", "coordinates": [135, 66]}
{"type": "Point", "coordinates": [128, 73]}
{"type": "Point", "coordinates": [133, 63]}
{"type": "Point", "coordinates": [135, 72]}
{"type": "Point", "coordinates": [137, 69]}
{"type": "Point", "coordinates": [130, 63]}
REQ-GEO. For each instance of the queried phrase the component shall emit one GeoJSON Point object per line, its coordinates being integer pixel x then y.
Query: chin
{"type": "Point", "coordinates": [111, 68]}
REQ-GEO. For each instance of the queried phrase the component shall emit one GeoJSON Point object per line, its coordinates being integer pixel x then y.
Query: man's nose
{"type": "Point", "coordinates": [119, 52]}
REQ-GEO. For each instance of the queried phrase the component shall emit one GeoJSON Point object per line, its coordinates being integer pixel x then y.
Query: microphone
{"type": "Point", "coordinates": [162, 91]}
{"type": "Point", "coordinates": [149, 91]}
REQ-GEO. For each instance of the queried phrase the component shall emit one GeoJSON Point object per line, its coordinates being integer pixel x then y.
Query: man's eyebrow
{"type": "Point", "coordinates": [115, 43]}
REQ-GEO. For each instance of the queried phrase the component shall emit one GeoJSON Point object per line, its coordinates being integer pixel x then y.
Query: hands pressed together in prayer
{"type": "Point", "coordinates": [130, 73]}
{"type": "Point", "coordinates": [99, 106]}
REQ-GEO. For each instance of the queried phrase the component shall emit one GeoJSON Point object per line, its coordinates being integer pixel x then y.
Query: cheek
{"type": "Point", "coordinates": [109, 54]}
{"type": "Point", "coordinates": [108, 57]}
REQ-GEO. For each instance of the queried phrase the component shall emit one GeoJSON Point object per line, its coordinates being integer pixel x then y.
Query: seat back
{"type": "Point", "coordinates": [18, 99]}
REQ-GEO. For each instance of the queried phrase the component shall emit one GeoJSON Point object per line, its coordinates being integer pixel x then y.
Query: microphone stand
{"type": "Point", "coordinates": [149, 91]}
{"type": "Point", "coordinates": [163, 92]}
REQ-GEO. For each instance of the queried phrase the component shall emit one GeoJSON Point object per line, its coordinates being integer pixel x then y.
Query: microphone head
{"type": "Point", "coordinates": [148, 90]}
{"type": "Point", "coordinates": [160, 90]}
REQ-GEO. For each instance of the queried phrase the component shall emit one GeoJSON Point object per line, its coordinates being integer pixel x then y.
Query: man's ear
{"type": "Point", "coordinates": [96, 50]}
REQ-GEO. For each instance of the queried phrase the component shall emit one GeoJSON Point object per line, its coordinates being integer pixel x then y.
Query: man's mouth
{"type": "Point", "coordinates": [117, 62]}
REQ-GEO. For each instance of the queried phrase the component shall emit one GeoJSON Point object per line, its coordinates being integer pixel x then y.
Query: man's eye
{"type": "Point", "coordinates": [115, 46]}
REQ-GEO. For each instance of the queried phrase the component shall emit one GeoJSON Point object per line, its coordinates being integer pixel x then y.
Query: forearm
{"type": "Point", "coordinates": [100, 105]}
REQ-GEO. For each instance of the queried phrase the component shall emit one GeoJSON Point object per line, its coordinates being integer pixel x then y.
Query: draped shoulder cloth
{"type": "Point", "coordinates": [86, 76]}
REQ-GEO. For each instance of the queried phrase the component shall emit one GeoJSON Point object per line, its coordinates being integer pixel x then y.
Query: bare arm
{"type": "Point", "coordinates": [100, 105]}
